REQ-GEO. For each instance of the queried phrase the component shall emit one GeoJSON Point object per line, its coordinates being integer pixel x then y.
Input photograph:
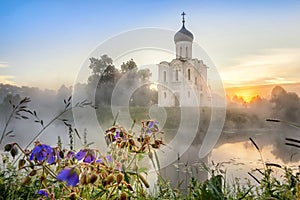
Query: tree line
{"type": "Point", "coordinates": [105, 76]}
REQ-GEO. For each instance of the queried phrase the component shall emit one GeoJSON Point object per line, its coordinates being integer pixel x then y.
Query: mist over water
{"type": "Point", "coordinates": [249, 120]}
{"type": "Point", "coordinates": [243, 120]}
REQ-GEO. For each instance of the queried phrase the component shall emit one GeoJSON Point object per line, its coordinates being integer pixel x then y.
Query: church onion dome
{"type": "Point", "coordinates": [183, 34]}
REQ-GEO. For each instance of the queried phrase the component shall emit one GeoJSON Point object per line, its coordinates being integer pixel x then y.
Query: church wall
{"type": "Point", "coordinates": [184, 49]}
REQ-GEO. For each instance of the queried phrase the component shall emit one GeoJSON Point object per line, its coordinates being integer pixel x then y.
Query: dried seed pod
{"type": "Point", "coordinates": [158, 142]}
{"type": "Point", "coordinates": [112, 129]}
{"type": "Point", "coordinates": [123, 144]}
{"type": "Point", "coordinates": [120, 178]}
{"type": "Point", "coordinates": [110, 137]}
{"type": "Point", "coordinates": [21, 164]}
{"type": "Point", "coordinates": [121, 134]}
{"type": "Point", "coordinates": [14, 152]}
{"type": "Point", "coordinates": [123, 196]}
{"type": "Point", "coordinates": [83, 179]}
{"type": "Point", "coordinates": [131, 141]}
{"type": "Point", "coordinates": [110, 179]}
{"type": "Point", "coordinates": [118, 140]}
{"type": "Point", "coordinates": [92, 178]}
{"type": "Point", "coordinates": [140, 139]}
{"type": "Point", "coordinates": [32, 173]}
{"type": "Point", "coordinates": [129, 187]}
{"type": "Point", "coordinates": [61, 154]}
{"type": "Point", "coordinates": [8, 147]}
{"type": "Point", "coordinates": [104, 174]}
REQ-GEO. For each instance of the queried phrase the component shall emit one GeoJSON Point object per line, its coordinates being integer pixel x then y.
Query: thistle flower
{"type": "Point", "coordinates": [69, 175]}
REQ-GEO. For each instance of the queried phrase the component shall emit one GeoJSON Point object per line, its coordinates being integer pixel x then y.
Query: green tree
{"type": "Point", "coordinates": [144, 75]}
{"type": "Point", "coordinates": [129, 66]}
{"type": "Point", "coordinates": [103, 71]}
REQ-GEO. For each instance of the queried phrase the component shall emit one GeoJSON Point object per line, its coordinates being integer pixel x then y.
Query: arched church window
{"type": "Point", "coordinates": [180, 52]}
{"type": "Point", "coordinates": [189, 74]}
{"type": "Point", "coordinates": [165, 95]}
{"type": "Point", "coordinates": [186, 52]}
{"type": "Point", "coordinates": [176, 75]}
{"type": "Point", "coordinates": [165, 76]}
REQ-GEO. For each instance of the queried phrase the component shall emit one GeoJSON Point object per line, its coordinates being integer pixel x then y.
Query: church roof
{"type": "Point", "coordinates": [183, 34]}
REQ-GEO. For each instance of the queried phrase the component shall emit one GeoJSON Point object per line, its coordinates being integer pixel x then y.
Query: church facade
{"type": "Point", "coordinates": [183, 81]}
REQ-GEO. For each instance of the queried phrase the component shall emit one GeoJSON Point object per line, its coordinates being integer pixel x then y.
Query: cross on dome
{"type": "Point", "coordinates": [183, 20]}
{"type": "Point", "coordinates": [183, 34]}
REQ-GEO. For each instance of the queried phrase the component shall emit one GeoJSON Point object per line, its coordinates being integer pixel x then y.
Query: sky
{"type": "Point", "coordinates": [44, 43]}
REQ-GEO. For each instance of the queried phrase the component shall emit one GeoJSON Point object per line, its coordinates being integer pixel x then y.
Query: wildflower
{"type": "Point", "coordinates": [117, 135]}
{"type": "Point", "coordinates": [90, 157]}
{"type": "Point", "coordinates": [69, 175]}
{"type": "Point", "coordinates": [42, 152]}
{"type": "Point", "coordinates": [87, 154]}
{"type": "Point", "coordinates": [109, 158]}
{"type": "Point", "coordinates": [70, 154]}
{"type": "Point", "coordinates": [151, 126]}
{"type": "Point", "coordinates": [43, 192]}
{"type": "Point", "coordinates": [80, 154]}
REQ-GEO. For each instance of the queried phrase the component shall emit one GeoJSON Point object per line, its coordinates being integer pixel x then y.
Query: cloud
{"type": "Point", "coordinates": [3, 64]}
{"type": "Point", "coordinates": [271, 66]}
{"type": "Point", "coordinates": [7, 79]}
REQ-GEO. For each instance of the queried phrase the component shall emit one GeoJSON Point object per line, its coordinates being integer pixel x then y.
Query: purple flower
{"type": "Point", "coordinates": [80, 154]}
{"type": "Point", "coordinates": [70, 154]}
{"type": "Point", "coordinates": [151, 125]}
{"type": "Point", "coordinates": [87, 154]}
{"type": "Point", "coordinates": [90, 157]}
{"type": "Point", "coordinates": [69, 175]}
{"type": "Point", "coordinates": [42, 152]}
{"type": "Point", "coordinates": [43, 192]}
{"type": "Point", "coordinates": [109, 158]}
{"type": "Point", "coordinates": [99, 160]}
{"type": "Point", "coordinates": [117, 135]}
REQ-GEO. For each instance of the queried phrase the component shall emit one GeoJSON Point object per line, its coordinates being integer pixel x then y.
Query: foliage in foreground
{"type": "Point", "coordinates": [46, 172]}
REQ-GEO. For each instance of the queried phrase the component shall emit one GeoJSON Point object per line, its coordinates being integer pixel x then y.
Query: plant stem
{"type": "Point", "coordinates": [43, 129]}
{"type": "Point", "coordinates": [7, 122]}
{"type": "Point", "coordinates": [46, 126]}
{"type": "Point", "coordinates": [111, 192]}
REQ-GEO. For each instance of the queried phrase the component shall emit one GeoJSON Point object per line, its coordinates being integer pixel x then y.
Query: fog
{"type": "Point", "coordinates": [243, 120]}
{"type": "Point", "coordinates": [246, 120]}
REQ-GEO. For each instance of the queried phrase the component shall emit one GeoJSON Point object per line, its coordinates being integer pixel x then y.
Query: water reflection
{"type": "Point", "coordinates": [239, 158]}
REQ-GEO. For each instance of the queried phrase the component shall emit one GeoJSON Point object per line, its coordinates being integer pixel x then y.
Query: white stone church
{"type": "Point", "coordinates": [183, 81]}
